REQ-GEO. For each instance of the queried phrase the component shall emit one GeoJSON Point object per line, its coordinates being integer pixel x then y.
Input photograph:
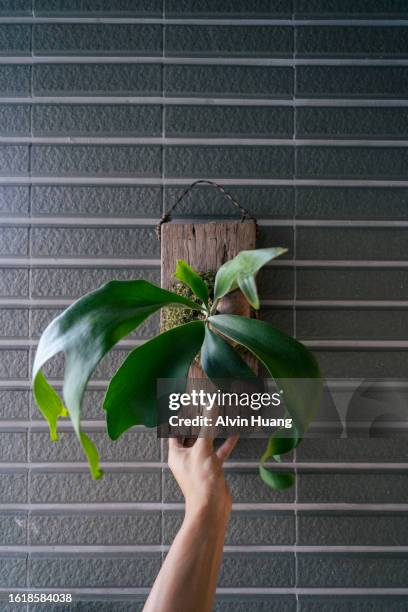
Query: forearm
{"type": "Point", "coordinates": [188, 577]}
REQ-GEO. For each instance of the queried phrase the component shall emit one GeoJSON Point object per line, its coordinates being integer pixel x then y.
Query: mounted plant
{"type": "Point", "coordinates": [89, 328]}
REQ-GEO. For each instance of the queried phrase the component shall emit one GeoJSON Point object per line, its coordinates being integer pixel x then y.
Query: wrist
{"type": "Point", "coordinates": [209, 512]}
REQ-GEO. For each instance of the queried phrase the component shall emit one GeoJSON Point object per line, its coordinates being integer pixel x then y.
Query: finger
{"type": "Point", "coordinates": [175, 443]}
{"type": "Point", "coordinates": [226, 448]}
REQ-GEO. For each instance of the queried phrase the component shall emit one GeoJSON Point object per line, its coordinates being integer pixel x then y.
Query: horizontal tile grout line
{"type": "Point", "coordinates": [201, 141]}
{"type": "Point", "coordinates": [78, 221]}
{"type": "Point", "coordinates": [211, 101]}
{"type": "Point", "coordinates": [238, 21]}
{"type": "Point", "coordinates": [66, 466]}
{"type": "Point", "coordinates": [198, 61]}
{"type": "Point", "coordinates": [245, 593]}
{"type": "Point", "coordinates": [111, 549]}
{"type": "Point", "coordinates": [90, 507]}
{"type": "Point", "coordinates": [369, 344]}
{"type": "Point", "coordinates": [73, 262]}
{"type": "Point", "coordinates": [267, 303]}
{"type": "Point", "coordinates": [167, 182]}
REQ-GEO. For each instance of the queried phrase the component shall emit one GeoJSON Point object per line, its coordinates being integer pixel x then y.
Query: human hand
{"type": "Point", "coordinates": [199, 472]}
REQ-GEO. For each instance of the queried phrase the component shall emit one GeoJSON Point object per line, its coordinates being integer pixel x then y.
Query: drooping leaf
{"type": "Point", "coordinates": [247, 285]}
{"type": "Point", "coordinates": [85, 332]}
{"type": "Point", "coordinates": [192, 279]}
{"type": "Point", "coordinates": [131, 398]}
{"type": "Point", "coordinates": [292, 366]}
{"type": "Point", "coordinates": [238, 271]}
{"type": "Point", "coordinates": [220, 360]}
{"type": "Point", "coordinates": [276, 480]}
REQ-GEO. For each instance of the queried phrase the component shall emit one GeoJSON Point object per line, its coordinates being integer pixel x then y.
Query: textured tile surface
{"type": "Point", "coordinates": [95, 79]}
{"type": "Point", "coordinates": [97, 39]}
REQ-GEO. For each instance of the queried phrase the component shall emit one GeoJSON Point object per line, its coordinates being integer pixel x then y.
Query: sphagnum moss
{"type": "Point", "coordinates": [174, 316]}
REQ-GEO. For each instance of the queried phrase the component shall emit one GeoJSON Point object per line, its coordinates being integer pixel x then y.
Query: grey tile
{"type": "Point", "coordinates": [351, 324]}
{"type": "Point", "coordinates": [94, 242]}
{"type": "Point", "coordinates": [276, 283]}
{"type": "Point", "coordinates": [13, 571]}
{"type": "Point", "coordinates": [355, 487]}
{"type": "Point", "coordinates": [15, 39]}
{"type": "Point", "coordinates": [246, 486]}
{"type": "Point", "coordinates": [14, 282]}
{"type": "Point", "coordinates": [352, 283]}
{"type": "Point", "coordinates": [362, 364]}
{"type": "Point", "coordinates": [96, 160]}
{"type": "Point", "coordinates": [140, 446]}
{"type": "Point", "coordinates": [106, 201]}
{"type": "Point", "coordinates": [15, 80]}
{"type": "Point", "coordinates": [381, 450]}
{"type": "Point", "coordinates": [351, 203]}
{"type": "Point", "coordinates": [277, 236]}
{"type": "Point", "coordinates": [280, 318]}
{"type": "Point", "coordinates": [351, 41]}
{"type": "Point", "coordinates": [13, 447]}
{"type": "Point", "coordinates": [232, 41]}
{"type": "Point", "coordinates": [96, 570]}
{"type": "Point", "coordinates": [245, 528]}
{"type": "Point", "coordinates": [229, 161]}
{"type": "Point", "coordinates": [98, 8]}
{"type": "Point", "coordinates": [352, 81]}
{"type": "Point", "coordinates": [13, 160]}
{"type": "Point", "coordinates": [69, 282]}
{"type": "Point", "coordinates": [96, 119]}
{"type": "Point", "coordinates": [257, 570]}
{"type": "Point", "coordinates": [92, 528]}
{"type": "Point", "coordinates": [352, 529]}
{"type": "Point", "coordinates": [97, 39]}
{"type": "Point", "coordinates": [352, 122]}
{"type": "Point", "coordinates": [13, 322]}
{"type": "Point", "coordinates": [41, 317]}
{"type": "Point", "coordinates": [13, 487]}
{"type": "Point", "coordinates": [96, 79]}
{"type": "Point", "coordinates": [109, 604]}
{"type": "Point", "coordinates": [13, 241]}
{"type": "Point", "coordinates": [350, 8]}
{"type": "Point", "coordinates": [350, 603]}
{"type": "Point", "coordinates": [228, 81]}
{"type": "Point", "coordinates": [271, 202]}
{"type": "Point", "coordinates": [14, 404]}
{"type": "Point", "coordinates": [336, 243]}
{"type": "Point", "coordinates": [13, 364]}
{"type": "Point", "coordinates": [14, 119]}
{"type": "Point", "coordinates": [17, 8]}
{"type": "Point", "coordinates": [229, 121]}
{"type": "Point", "coordinates": [78, 487]}
{"type": "Point", "coordinates": [225, 8]}
{"type": "Point", "coordinates": [255, 603]}
{"type": "Point", "coordinates": [13, 528]}
{"type": "Point", "coordinates": [352, 162]}
{"type": "Point", "coordinates": [14, 200]}
{"type": "Point", "coordinates": [348, 570]}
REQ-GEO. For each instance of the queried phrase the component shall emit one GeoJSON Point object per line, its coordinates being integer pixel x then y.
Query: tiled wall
{"type": "Point", "coordinates": [108, 108]}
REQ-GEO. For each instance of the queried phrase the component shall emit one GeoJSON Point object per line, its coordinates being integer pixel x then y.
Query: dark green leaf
{"type": "Point", "coordinates": [220, 361]}
{"type": "Point", "coordinates": [132, 398]}
{"type": "Point", "coordinates": [239, 271]}
{"type": "Point", "coordinates": [85, 332]}
{"type": "Point", "coordinates": [192, 279]}
{"type": "Point", "coordinates": [293, 367]}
